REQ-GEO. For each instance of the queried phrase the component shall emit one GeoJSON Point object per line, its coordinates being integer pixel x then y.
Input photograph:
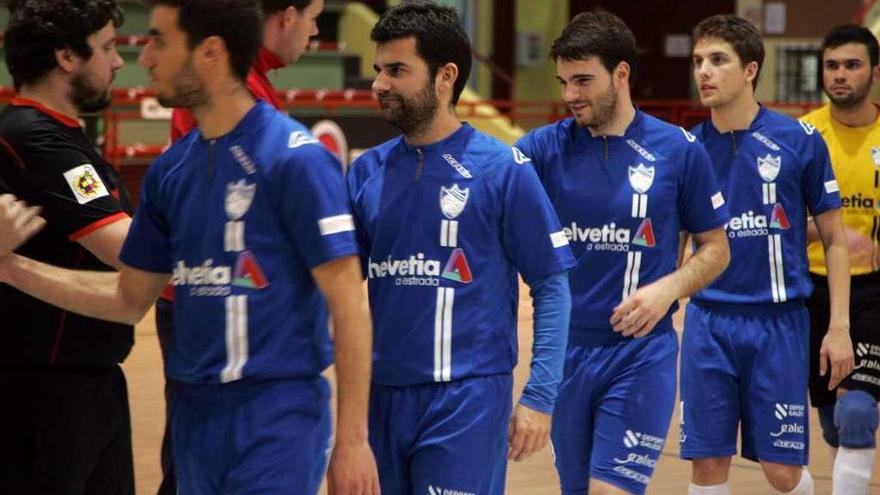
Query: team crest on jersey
{"type": "Point", "coordinates": [85, 183]}
{"type": "Point", "coordinates": [769, 166]}
{"type": "Point", "coordinates": [875, 155]}
{"type": "Point", "coordinates": [239, 196]}
{"type": "Point", "coordinates": [641, 178]}
{"type": "Point", "coordinates": [453, 200]}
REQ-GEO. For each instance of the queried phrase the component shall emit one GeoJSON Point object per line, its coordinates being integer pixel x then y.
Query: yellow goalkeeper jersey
{"type": "Point", "coordinates": [855, 157]}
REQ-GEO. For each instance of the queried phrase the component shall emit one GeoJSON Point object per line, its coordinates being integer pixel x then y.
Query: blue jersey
{"type": "Point", "coordinates": [622, 201]}
{"type": "Point", "coordinates": [771, 175]}
{"type": "Point", "coordinates": [443, 229]}
{"type": "Point", "coordinates": [240, 220]}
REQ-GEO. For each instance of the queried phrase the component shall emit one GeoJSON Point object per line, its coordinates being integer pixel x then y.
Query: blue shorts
{"type": "Point", "coordinates": [747, 365]}
{"type": "Point", "coordinates": [254, 438]}
{"type": "Point", "coordinates": [442, 438]}
{"type": "Point", "coordinates": [613, 411]}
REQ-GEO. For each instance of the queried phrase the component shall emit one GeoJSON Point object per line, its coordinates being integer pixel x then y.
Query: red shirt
{"type": "Point", "coordinates": [182, 120]}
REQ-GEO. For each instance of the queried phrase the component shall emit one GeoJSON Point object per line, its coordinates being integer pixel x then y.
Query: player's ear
{"type": "Point", "coordinates": [66, 59]}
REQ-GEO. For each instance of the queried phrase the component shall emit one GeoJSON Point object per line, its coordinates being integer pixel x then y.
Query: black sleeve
{"type": "Point", "coordinates": [75, 187]}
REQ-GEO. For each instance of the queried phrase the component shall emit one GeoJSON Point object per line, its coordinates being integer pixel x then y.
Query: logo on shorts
{"type": "Point", "coordinates": [783, 411]}
{"type": "Point", "coordinates": [862, 349]}
{"type": "Point", "coordinates": [436, 490]}
{"type": "Point", "coordinates": [786, 413]}
{"type": "Point", "coordinates": [633, 439]}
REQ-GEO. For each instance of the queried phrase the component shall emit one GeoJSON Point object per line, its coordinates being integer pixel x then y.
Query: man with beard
{"type": "Point", "coordinates": [287, 27]}
{"type": "Point", "coordinates": [746, 336]}
{"type": "Point", "coordinates": [66, 421]}
{"type": "Point", "coordinates": [248, 219]}
{"type": "Point", "coordinates": [446, 217]}
{"type": "Point", "coordinates": [851, 129]}
{"type": "Point", "coordinates": [624, 185]}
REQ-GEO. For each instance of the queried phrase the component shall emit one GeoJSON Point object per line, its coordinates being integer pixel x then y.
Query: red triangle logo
{"type": "Point", "coordinates": [779, 220]}
{"type": "Point", "coordinates": [457, 268]}
{"type": "Point", "coordinates": [645, 234]}
{"type": "Point", "coordinates": [248, 272]}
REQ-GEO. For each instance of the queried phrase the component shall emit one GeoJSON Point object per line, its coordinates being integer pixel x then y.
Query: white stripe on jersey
{"type": "Point", "coordinates": [631, 275]}
{"type": "Point", "coordinates": [449, 233]}
{"type": "Point", "coordinates": [639, 205]}
{"type": "Point", "coordinates": [443, 334]}
{"type": "Point", "coordinates": [236, 338]}
{"type": "Point", "coordinates": [233, 238]}
{"type": "Point", "coordinates": [777, 275]}
{"type": "Point", "coordinates": [335, 225]}
{"type": "Point", "coordinates": [447, 335]}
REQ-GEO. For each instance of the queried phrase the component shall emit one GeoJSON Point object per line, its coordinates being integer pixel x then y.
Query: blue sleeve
{"type": "Point", "coordinates": [532, 236]}
{"type": "Point", "coordinates": [551, 300]}
{"type": "Point", "coordinates": [147, 246]}
{"type": "Point", "coordinates": [353, 187]}
{"type": "Point", "coordinates": [313, 205]}
{"type": "Point", "coordinates": [821, 191]}
{"type": "Point", "coordinates": [530, 147]}
{"type": "Point", "coordinates": [701, 205]}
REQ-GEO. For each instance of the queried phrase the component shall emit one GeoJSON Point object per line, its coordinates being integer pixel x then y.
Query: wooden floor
{"type": "Point", "coordinates": [535, 476]}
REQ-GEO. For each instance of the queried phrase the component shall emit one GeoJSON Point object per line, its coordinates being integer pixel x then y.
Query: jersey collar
{"type": "Point", "coordinates": [266, 61]}
{"type": "Point", "coordinates": [20, 101]}
{"type": "Point", "coordinates": [448, 142]}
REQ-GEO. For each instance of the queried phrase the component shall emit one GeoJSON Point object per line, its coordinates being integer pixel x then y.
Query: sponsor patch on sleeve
{"type": "Point", "coordinates": [717, 200]}
{"type": "Point", "coordinates": [519, 157]}
{"type": "Point", "coordinates": [85, 183]}
{"type": "Point", "coordinates": [300, 138]}
{"type": "Point", "coordinates": [559, 239]}
{"type": "Point", "coordinates": [335, 225]}
{"type": "Point", "coordinates": [831, 186]}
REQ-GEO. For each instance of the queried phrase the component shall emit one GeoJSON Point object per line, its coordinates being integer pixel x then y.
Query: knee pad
{"type": "Point", "coordinates": [856, 417]}
{"type": "Point", "coordinates": [829, 430]}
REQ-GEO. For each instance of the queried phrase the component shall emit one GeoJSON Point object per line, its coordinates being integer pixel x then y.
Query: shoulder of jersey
{"type": "Point", "coordinates": [659, 138]}
{"type": "Point", "coordinates": [784, 126]}
{"type": "Point", "coordinates": [489, 154]}
{"type": "Point", "coordinates": [558, 130]}
{"type": "Point", "coordinates": [819, 118]}
{"type": "Point", "coordinates": [373, 159]}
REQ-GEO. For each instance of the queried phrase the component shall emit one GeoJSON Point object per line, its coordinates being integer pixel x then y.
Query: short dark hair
{"type": "Point", "coordinates": [597, 33]}
{"type": "Point", "coordinates": [39, 27]}
{"type": "Point", "coordinates": [238, 22]}
{"type": "Point", "coordinates": [439, 36]}
{"type": "Point", "coordinates": [274, 6]}
{"type": "Point", "coordinates": [853, 33]}
{"type": "Point", "coordinates": [742, 35]}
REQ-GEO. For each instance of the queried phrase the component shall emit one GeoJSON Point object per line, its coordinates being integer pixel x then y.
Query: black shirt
{"type": "Point", "coordinates": [46, 160]}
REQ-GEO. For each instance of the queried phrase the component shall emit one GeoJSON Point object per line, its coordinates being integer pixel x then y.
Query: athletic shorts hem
{"type": "Point", "coordinates": [619, 484]}
{"type": "Point", "coordinates": [690, 455]}
{"type": "Point", "coordinates": [789, 460]}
